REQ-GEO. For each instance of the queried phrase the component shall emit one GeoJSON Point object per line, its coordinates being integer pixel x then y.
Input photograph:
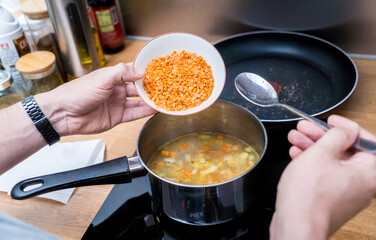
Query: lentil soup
{"type": "Point", "coordinates": [202, 158]}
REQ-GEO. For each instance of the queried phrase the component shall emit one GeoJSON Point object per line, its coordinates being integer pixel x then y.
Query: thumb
{"type": "Point", "coordinates": [339, 139]}
{"type": "Point", "coordinates": [126, 73]}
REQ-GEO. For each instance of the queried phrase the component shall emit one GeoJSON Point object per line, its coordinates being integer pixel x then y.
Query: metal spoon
{"type": "Point", "coordinates": [258, 91]}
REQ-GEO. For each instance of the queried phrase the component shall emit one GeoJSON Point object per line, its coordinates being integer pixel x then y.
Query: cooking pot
{"type": "Point", "coordinates": [191, 204]}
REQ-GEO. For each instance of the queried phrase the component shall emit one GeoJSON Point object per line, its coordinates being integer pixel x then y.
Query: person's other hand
{"type": "Point", "coordinates": [308, 133]}
{"type": "Point", "coordinates": [325, 184]}
{"type": "Point", "coordinates": [95, 102]}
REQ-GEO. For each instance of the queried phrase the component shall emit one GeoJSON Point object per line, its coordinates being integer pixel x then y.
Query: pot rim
{"type": "Point", "coordinates": [215, 184]}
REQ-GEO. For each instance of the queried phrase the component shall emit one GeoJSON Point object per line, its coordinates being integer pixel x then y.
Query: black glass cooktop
{"type": "Point", "coordinates": [127, 213]}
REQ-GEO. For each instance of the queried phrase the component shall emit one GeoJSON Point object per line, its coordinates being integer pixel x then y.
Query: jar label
{"type": "Point", "coordinates": [22, 44]}
{"type": "Point", "coordinates": [8, 55]}
{"type": "Point", "coordinates": [105, 20]}
{"type": "Point", "coordinates": [114, 16]}
{"type": "Point", "coordinates": [10, 52]}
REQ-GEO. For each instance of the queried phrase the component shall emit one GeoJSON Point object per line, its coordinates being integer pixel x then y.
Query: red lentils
{"type": "Point", "coordinates": [178, 81]}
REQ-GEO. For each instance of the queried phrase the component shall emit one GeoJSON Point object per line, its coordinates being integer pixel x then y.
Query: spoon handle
{"type": "Point", "coordinates": [360, 143]}
{"type": "Point", "coordinates": [365, 145]}
{"type": "Point", "coordinates": [302, 114]}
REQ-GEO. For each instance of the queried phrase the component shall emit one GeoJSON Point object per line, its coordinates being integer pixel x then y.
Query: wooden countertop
{"type": "Point", "coordinates": [71, 221]}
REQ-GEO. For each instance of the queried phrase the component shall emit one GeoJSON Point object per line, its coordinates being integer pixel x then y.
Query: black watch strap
{"type": "Point", "coordinates": [40, 120]}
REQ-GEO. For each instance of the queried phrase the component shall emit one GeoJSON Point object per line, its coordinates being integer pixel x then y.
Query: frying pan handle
{"type": "Point", "coordinates": [109, 172]}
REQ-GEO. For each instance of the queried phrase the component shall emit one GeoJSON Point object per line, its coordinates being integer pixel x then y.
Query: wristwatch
{"type": "Point", "coordinates": [40, 120]}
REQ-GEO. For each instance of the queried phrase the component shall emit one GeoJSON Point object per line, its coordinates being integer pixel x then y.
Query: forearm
{"type": "Point", "coordinates": [91, 104]}
{"type": "Point", "coordinates": [20, 138]}
{"type": "Point", "coordinates": [299, 223]}
{"type": "Point", "coordinates": [299, 230]}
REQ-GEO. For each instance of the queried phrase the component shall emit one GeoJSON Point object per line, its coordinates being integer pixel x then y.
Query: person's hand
{"type": "Point", "coordinates": [325, 184]}
{"type": "Point", "coordinates": [95, 102]}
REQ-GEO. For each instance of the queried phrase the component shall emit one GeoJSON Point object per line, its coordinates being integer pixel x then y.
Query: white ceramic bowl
{"type": "Point", "coordinates": [165, 44]}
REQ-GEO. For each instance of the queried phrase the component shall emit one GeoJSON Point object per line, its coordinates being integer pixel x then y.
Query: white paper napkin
{"type": "Point", "coordinates": [52, 159]}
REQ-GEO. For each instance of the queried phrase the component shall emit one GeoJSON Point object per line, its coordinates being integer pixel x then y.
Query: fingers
{"type": "Point", "coordinates": [128, 73]}
{"type": "Point", "coordinates": [343, 137]}
{"type": "Point", "coordinates": [131, 90]}
{"type": "Point", "coordinates": [366, 163]}
{"type": "Point", "coordinates": [336, 120]}
{"type": "Point", "coordinates": [314, 132]}
{"type": "Point", "coordinates": [134, 103]}
{"type": "Point", "coordinates": [118, 74]}
{"type": "Point", "coordinates": [310, 129]}
{"type": "Point", "coordinates": [294, 152]}
{"type": "Point", "coordinates": [339, 139]}
{"type": "Point", "coordinates": [366, 159]}
{"type": "Point", "coordinates": [136, 109]}
{"type": "Point", "coordinates": [306, 135]}
{"type": "Point", "coordinates": [299, 139]}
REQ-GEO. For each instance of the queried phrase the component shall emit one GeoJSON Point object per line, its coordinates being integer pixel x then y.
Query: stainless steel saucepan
{"type": "Point", "coordinates": [191, 204]}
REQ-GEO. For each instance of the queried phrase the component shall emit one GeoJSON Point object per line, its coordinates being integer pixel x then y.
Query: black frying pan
{"type": "Point", "coordinates": [310, 73]}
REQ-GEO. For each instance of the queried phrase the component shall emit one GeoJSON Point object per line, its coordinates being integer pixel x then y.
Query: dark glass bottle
{"type": "Point", "coordinates": [105, 15]}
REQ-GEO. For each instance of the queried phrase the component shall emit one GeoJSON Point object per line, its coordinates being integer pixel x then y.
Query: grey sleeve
{"type": "Point", "coordinates": [14, 229]}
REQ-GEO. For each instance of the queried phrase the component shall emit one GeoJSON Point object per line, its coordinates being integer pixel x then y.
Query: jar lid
{"type": "Point", "coordinates": [5, 79]}
{"type": "Point", "coordinates": [35, 62]}
{"type": "Point", "coordinates": [35, 9]}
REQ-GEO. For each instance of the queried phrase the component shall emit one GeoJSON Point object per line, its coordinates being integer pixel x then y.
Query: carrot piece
{"type": "Point", "coordinates": [172, 154]}
{"type": "Point", "coordinates": [226, 148]}
{"type": "Point", "coordinates": [220, 137]}
{"type": "Point", "coordinates": [205, 147]}
{"type": "Point", "coordinates": [219, 153]}
{"type": "Point", "coordinates": [187, 175]}
{"type": "Point", "coordinates": [184, 146]}
{"type": "Point", "coordinates": [160, 164]}
{"type": "Point", "coordinates": [165, 153]}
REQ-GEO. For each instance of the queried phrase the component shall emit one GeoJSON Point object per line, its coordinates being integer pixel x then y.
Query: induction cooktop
{"type": "Point", "coordinates": [128, 212]}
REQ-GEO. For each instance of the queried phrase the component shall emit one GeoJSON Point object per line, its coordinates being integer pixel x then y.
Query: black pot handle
{"type": "Point", "coordinates": [109, 172]}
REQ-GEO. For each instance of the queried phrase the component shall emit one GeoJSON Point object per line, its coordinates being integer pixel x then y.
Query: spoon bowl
{"type": "Point", "coordinates": [256, 89]}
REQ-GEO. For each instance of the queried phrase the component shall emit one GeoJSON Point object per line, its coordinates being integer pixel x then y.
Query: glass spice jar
{"type": "Point", "coordinates": [39, 27]}
{"type": "Point", "coordinates": [10, 92]}
{"type": "Point", "coordinates": [39, 71]}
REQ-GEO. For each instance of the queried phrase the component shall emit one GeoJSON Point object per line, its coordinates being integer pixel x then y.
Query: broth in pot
{"type": "Point", "coordinates": [203, 158]}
